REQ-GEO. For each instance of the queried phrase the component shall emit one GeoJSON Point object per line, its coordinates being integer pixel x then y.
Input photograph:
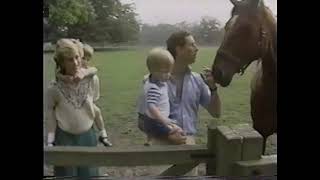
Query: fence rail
{"type": "Point", "coordinates": [133, 156]}
{"type": "Point", "coordinates": [229, 152]}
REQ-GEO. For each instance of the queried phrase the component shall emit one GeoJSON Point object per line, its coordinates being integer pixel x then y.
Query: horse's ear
{"type": "Point", "coordinates": [235, 2]}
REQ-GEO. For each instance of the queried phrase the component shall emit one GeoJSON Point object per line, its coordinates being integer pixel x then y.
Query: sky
{"type": "Point", "coordinates": [175, 11]}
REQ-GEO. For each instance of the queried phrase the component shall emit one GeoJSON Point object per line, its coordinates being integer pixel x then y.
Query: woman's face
{"type": "Point", "coordinates": [71, 63]}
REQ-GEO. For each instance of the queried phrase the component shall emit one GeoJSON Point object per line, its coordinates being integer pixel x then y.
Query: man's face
{"type": "Point", "coordinates": [188, 52]}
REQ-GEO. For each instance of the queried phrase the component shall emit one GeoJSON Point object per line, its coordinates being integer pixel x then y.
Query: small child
{"type": "Point", "coordinates": [153, 104]}
{"type": "Point", "coordinates": [86, 52]}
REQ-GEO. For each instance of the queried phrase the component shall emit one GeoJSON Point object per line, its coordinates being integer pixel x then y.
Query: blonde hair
{"type": "Point", "coordinates": [158, 58]}
{"type": "Point", "coordinates": [88, 51]}
{"type": "Point", "coordinates": [65, 47]}
{"type": "Point", "coordinates": [80, 47]}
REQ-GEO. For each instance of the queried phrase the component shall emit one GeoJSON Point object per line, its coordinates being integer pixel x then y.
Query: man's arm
{"type": "Point", "coordinates": [214, 106]}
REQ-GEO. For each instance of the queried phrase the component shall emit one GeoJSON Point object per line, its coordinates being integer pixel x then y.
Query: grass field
{"type": "Point", "coordinates": [120, 74]}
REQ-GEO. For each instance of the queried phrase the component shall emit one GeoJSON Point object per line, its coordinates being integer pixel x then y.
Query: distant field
{"type": "Point", "coordinates": [120, 74]}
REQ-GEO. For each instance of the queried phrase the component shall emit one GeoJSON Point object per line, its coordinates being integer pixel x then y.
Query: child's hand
{"type": "Point", "coordinates": [70, 79]}
{"type": "Point", "coordinates": [178, 129]}
{"type": "Point", "coordinates": [66, 78]}
{"type": "Point", "coordinates": [177, 138]}
{"type": "Point", "coordinates": [174, 128]}
{"type": "Point", "coordinates": [79, 75]}
{"type": "Point", "coordinates": [105, 141]}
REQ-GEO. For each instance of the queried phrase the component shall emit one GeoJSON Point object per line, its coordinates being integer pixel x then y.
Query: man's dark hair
{"type": "Point", "coordinates": [176, 39]}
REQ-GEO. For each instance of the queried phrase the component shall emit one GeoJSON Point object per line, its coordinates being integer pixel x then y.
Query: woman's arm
{"type": "Point", "coordinates": [51, 122]}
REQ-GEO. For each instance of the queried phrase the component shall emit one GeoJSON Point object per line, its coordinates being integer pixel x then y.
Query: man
{"type": "Point", "coordinates": [187, 90]}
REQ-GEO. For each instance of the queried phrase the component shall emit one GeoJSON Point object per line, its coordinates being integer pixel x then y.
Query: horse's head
{"type": "Point", "coordinates": [242, 41]}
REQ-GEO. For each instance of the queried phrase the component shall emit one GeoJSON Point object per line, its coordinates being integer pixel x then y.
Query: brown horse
{"type": "Point", "coordinates": [250, 34]}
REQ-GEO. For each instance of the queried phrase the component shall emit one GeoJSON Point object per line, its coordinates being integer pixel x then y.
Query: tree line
{"type": "Point", "coordinates": [111, 22]}
{"type": "Point", "coordinates": [207, 32]}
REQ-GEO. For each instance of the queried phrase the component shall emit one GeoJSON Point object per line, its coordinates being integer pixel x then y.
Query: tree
{"type": "Point", "coordinates": [66, 13]}
{"type": "Point", "coordinates": [93, 20]}
{"type": "Point", "coordinates": [156, 35]}
{"type": "Point", "coordinates": [126, 27]}
{"type": "Point", "coordinates": [209, 30]}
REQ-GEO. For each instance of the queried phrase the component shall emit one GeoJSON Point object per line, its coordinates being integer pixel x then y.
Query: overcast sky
{"type": "Point", "coordinates": [174, 11]}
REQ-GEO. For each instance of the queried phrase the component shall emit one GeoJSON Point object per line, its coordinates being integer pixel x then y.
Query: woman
{"type": "Point", "coordinates": [70, 107]}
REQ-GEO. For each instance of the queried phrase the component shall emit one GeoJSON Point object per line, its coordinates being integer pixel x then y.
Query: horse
{"type": "Point", "coordinates": [251, 35]}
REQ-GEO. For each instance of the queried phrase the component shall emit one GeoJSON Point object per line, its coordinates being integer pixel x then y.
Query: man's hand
{"type": "Point", "coordinates": [208, 78]}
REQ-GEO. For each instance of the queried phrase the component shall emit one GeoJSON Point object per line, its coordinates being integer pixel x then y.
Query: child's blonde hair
{"type": "Point", "coordinates": [158, 58]}
{"type": "Point", "coordinates": [80, 46]}
{"type": "Point", "coordinates": [88, 51]}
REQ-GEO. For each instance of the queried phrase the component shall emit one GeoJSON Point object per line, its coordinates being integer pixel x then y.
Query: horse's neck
{"type": "Point", "coordinates": [269, 69]}
{"type": "Point", "coordinates": [269, 73]}
{"type": "Point", "coordinates": [269, 55]}
{"type": "Point", "coordinates": [265, 82]}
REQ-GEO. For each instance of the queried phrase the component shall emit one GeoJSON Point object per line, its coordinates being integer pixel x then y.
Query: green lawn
{"type": "Point", "coordinates": [120, 74]}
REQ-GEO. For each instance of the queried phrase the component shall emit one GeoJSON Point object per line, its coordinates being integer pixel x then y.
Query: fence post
{"type": "Point", "coordinates": [252, 162]}
{"type": "Point", "coordinates": [266, 166]}
{"type": "Point", "coordinates": [212, 146]}
{"type": "Point", "coordinates": [252, 142]}
{"type": "Point", "coordinates": [228, 150]}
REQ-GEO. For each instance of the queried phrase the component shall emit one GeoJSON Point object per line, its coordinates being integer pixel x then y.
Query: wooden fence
{"type": "Point", "coordinates": [229, 151]}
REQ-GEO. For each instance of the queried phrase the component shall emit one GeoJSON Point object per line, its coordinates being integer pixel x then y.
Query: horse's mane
{"type": "Point", "coordinates": [271, 24]}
